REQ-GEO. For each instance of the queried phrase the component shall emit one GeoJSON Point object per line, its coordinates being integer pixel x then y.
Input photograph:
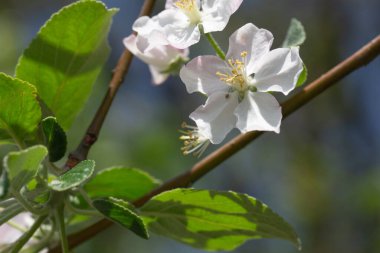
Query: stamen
{"type": "Point", "coordinates": [191, 9]}
{"type": "Point", "coordinates": [187, 5]}
{"type": "Point", "coordinates": [193, 141]}
{"type": "Point", "coordinates": [237, 76]}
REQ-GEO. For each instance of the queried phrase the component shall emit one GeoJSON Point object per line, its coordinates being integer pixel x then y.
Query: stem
{"type": "Point", "coordinates": [7, 202]}
{"type": "Point", "coordinates": [28, 206]}
{"type": "Point", "coordinates": [119, 72]}
{"type": "Point", "coordinates": [10, 212]}
{"type": "Point", "coordinates": [60, 221]}
{"type": "Point", "coordinates": [218, 50]}
{"type": "Point", "coordinates": [26, 237]}
{"type": "Point", "coordinates": [361, 58]}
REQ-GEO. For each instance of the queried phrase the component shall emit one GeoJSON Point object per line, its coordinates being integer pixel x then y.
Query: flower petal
{"type": "Point", "coordinates": [216, 13]}
{"type": "Point", "coordinates": [158, 58]}
{"type": "Point", "coordinates": [216, 119]}
{"type": "Point", "coordinates": [258, 111]}
{"type": "Point", "coordinates": [149, 29]}
{"type": "Point", "coordinates": [178, 30]}
{"type": "Point", "coordinates": [256, 42]}
{"type": "Point", "coordinates": [278, 70]}
{"type": "Point", "coordinates": [200, 75]}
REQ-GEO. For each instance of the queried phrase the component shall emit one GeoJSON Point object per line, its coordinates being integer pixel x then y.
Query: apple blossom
{"type": "Point", "coordinates": [237, 88]}
{"type": "Point", "coordinates": [178, 25]}
{"type": "Point", "coordinates": [162, 60]}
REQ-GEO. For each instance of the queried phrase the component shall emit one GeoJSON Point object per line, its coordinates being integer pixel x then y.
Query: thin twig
{"type": "Point", "coordinates": [359, 59]}
{"type": "Point", "coordinates": [119, 73]}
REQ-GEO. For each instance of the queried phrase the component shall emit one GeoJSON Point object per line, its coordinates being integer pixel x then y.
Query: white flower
{"type": "Point", "coordinates": [162, 60]}
{"type": "Point", "coordinates": [178, 25]}
{"type": "Point", "coordinates": [237, 88]}
{"type": "Point", "coordinates": [14, 229]}
{"type": "Point", "coordinates": [194, 141]}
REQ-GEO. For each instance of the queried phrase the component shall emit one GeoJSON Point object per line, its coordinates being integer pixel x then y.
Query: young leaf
{"type": "Point", "coordinates": [65, 58]}
{"type": "Point", "coordinates": [74, 177]}
{"type": "Point", "coordinates": [20, 112]}
{"type": "Point", "coordinates": [22, 166]}
{"type": "Point", "coordinates": [296, 34]}
{"type": "Point", "coordinates": [55, 138]}
{"type": "Point", "coordinates": [213, 220]}
{"type": "Point", "coordinates": [119, 182]}
{"type": "Point", "coordinates": [122, 213]}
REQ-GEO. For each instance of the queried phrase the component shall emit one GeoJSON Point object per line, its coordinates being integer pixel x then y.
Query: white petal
{"type": "Point", "coordinates": [258, 111]}
{"type": "Point", "coordinates": [158, 57]}
{"type": "Point", "coordinates": [216, 119]}
{"type": "Point", "coordinates": [149, 29]}
{"type": "Point", "coordinates": [157, 76]}
{"type": "Point", "coordinates": [216, 13]}
{"type": "Point", "coordinates": [178, 30]}
{"type": "Point", "coordinates": [278, 70]}
{"type": "Point", "coordinates": [200, 75]}
{"type": "Point", "coordinates": [256, 42]}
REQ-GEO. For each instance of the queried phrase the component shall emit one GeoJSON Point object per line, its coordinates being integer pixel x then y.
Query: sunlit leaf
{"type": "Point", "coordinates": [213, 220]}
{"type": "Point", "coordinates": [119, 182]}
{"type": "Point", "coordinates": [20, 112]}
{"type": "Point", "coordinates": [55, 138]}
{"type": "Point", "coordinates": [65, 58]}
{"type": "Point", "coordinates": [123, 214]}
{"type": "Point", "coordinates": [74, 177]}
{"type": "Point", "coordinates": [23, 165]}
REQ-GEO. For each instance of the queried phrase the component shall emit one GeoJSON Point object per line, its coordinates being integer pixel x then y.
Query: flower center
{"type": "Point", "coordinates": [191, 9]}
{"type": "Point", "coordinates": [193, 141]}
{"type": "Point", "coordinates": [237, 77]}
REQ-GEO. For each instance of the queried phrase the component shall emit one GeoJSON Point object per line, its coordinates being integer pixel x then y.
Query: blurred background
{"type": "Point", "coordinates": [322, 173]}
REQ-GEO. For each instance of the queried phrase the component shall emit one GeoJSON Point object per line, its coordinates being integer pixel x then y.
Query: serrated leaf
{"type": "Point", "coordinates": [20, 112]}
{"type": "Point", "coordinates": [213, 220]}
{"type": "Point", "coordinates": [74, 177]}
{"type": "Point", "coordinates": [23, 165]}
{"type": "Point", "coordinates": [119, 182]}
{"type": "Point", "coordinates": [303, 76]}
{"type": "Point", "coordinates": [123, 214]}
{"type": "Point", "coordinates": [296, 34]}
{"type": "Point", "coordinates": [55, 138]}
{"type": "Point", "coordinates": [65, 58]}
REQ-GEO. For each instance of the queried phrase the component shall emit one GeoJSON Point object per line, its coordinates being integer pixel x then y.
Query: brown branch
{"type": "Point", "coordinates": [119, 73]}
{"type": "Point", "coordinates": [361, 58]}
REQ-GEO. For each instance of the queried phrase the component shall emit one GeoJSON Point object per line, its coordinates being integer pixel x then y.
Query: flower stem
{"type": "Point", "coordinates": [25, 237]}
{"type": "Point", "coordinates": [60, 222]}
{"type": "Point", "coordinates": [218, 50]}
{"type": "Point", "coordinates": [10, 212]}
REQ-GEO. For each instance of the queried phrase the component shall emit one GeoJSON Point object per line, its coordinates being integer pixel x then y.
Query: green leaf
{"type": "Point", "coordinates": [23, 165]}
{"type": "Point", "coordinates": [213, 220]}
{"type": "Point", "coordinates": [65, 58]}
{"type": "Point", "coordinates": [20, 112]}
{"type": "Point", "coordinates": [74, 177]}
{"type": "Point", "coordinates": [119, 182]}
{"type": "Point", "coordinates": [296, 35]}
{"type": "Point", "coordinates": [55, 138]}
{"type": "Point", "coordinates": [303, 76]}
{"type": "Point", "coordinates": [123, 214]}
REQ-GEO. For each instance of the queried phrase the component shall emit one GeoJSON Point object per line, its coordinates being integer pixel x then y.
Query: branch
{"type": "Point", "coordinates": [119, 73]}
{"type": "Point", "coordinates": [361, 58]}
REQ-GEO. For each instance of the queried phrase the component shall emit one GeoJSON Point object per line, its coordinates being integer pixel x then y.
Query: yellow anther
{"type": "Point", "coordinates": [187, 5]}
{"type": "Point", "coordinates": [237, 76]}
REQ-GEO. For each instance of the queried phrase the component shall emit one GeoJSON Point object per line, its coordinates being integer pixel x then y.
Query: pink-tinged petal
{"type": "Point", "coordinates": [256, 42]}
{"type": "Point", "coordinates": [216, 13]}
{"type": "Point", "coordinates": [278, 70]}
{"type": "Point", "coordinates": [178, 30]}
{"type": "Point", "coordinates": [200, 75]}
{"type": "Point", "coordinates": [258, 111]}
{"type": "Point", "coordinates": [216, 119]}
{"type": "Point", "coordinates": [158, 77]}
